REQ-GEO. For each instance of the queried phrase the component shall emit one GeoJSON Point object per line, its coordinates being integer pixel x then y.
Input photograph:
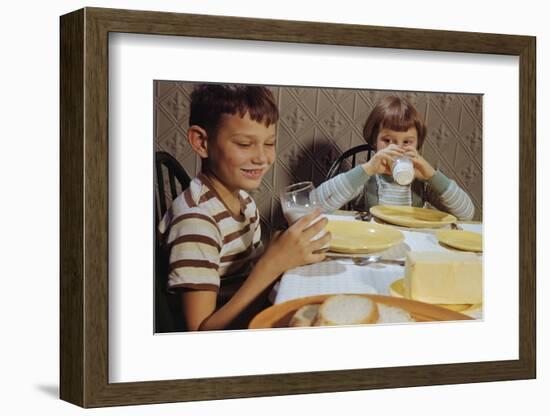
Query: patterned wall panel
{"type": "Point", "coordinates": [317, 124]}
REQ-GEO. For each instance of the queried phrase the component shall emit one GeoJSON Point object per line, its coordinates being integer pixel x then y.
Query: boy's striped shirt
{"type": "Point", "coordinates": [210, 248]}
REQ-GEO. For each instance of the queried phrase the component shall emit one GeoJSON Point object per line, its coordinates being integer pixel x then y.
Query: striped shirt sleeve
{"type": "Point", "coordinates": [445, 194]}
{"type": "Point", "coordinates": [341, 189]}
{"type": "Point", "coordinates": [194, 242]}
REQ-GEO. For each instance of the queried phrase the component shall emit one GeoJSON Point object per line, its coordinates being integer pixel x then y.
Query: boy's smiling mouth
{"type": "Point", "coordinates": [253, 173]}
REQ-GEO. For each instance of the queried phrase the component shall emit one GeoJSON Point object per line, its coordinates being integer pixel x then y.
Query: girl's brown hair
{"type": "Point", "coordinates": [394, 113]}
{"type": "Point", "coordinates": [210, 101]}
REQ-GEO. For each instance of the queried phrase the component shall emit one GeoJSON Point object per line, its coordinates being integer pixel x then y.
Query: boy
{"type": "Point", "coordinates": [395, 129]}
{"type": "Point", "coordinates": [213, 228]}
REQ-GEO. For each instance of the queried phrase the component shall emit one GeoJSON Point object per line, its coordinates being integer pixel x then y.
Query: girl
{"type": "Point", "coordinates": [394, 129]}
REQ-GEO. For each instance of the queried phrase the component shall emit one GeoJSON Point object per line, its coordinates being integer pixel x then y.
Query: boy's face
{"type": "Point", "coordinates": [242, 151]}
{"type": "Point", "coordinates": [400, 138]}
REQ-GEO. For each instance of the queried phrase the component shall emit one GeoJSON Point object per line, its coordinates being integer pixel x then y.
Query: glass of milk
{"type": "Point", "coordinates": [403, 171]}
{"type": "Point", "coordinates": [298, 200]}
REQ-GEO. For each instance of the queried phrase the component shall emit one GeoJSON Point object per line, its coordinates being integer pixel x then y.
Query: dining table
{"type": "Point", "coordinates": [347, 274]}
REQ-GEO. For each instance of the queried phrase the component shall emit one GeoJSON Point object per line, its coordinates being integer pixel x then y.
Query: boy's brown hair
{"type": "Point", "coordinates": [210, 101]}
{"type": "Point", "coordinates": [394, 113]}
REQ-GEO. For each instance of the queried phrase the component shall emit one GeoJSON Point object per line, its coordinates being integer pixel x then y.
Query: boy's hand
{"type": "Point", "coordinates": [422, 168]}
{"type": "Point", "coordinates": [382, 161]}
{"type": "Point", "coordinates": [294, 248]}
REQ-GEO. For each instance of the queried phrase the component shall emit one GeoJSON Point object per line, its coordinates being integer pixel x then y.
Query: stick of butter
{"type": "Point", "coordinates": [443, 278]}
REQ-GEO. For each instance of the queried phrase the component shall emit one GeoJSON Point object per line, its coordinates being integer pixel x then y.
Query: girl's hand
{"type": "Point", "coordinates": [422, 168]}
{"type": "Point", "coordinates": [294, 248]}
{"type": "Point", "coordinates": [382, 161]}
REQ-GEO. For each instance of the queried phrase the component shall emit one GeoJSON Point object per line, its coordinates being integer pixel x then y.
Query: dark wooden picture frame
{"type": "Point", "coordinates": [84, 207]}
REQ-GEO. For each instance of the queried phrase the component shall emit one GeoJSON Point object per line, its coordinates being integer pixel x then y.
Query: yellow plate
{"type": "Point", "coordinates": [362, 237]}
{"type": "Point", "coordinates": [279, 315]}
{"type": "Point", "coordinates": [463, 240]}
{"type": "Point", "coordinates": [412, 216]}
{"type": "Point", "coordinates": [397, 290]}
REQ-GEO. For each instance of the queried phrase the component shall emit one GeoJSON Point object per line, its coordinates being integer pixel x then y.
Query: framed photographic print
{"type": "Point", "coordinates": [128, 83]}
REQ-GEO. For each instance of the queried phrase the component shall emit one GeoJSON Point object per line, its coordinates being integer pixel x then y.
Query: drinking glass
{"type": "Point", "coordinates": [298, 200]}
{"type": "Point", "coordinates": [403, 171]}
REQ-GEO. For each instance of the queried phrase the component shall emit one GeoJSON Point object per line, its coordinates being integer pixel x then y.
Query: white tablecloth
{"type": "Point", "coordinates": [341, 275]}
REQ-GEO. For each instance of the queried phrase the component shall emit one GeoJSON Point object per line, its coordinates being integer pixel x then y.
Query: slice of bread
{"type": "Point", "coordinates": [346, 310]}
{"type": "Point", "coordinates": [391, 314]}
{"type": "Point", "coordinates": [304, 316]}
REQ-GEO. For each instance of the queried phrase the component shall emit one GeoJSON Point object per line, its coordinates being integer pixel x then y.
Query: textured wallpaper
{"type": "Point", "coordinates": [317, 124]}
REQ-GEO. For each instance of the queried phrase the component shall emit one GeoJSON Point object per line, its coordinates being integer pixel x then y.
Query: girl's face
{"type": "Point", "coordinates": [400, 138]}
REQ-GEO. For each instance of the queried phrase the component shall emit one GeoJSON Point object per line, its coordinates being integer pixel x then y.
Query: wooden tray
{"type": "Point", "coordinates": [278, 316]}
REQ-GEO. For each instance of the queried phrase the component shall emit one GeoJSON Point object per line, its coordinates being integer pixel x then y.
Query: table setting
{"type": "Point", "coordinates": [375, 254]}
